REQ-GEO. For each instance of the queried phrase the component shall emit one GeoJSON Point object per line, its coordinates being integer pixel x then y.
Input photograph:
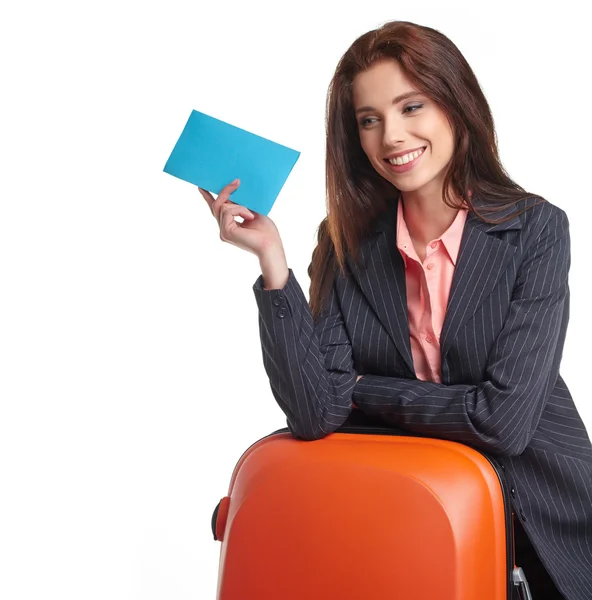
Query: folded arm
{"type": "Point", "coordinates": [501, 413]}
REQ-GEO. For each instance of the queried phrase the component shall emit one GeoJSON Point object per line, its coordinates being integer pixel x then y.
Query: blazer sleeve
{"type": "Point", "coordinates": [310, 366]}
{"type": "Point", "coordinates": [501, 413]}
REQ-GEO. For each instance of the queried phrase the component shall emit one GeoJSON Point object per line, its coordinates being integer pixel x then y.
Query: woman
{"type": "Point", "coordinates": [439, 296]}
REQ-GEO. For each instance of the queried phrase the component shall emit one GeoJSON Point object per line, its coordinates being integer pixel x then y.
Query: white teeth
{"type": "Point", "coordinates": [402, 160]}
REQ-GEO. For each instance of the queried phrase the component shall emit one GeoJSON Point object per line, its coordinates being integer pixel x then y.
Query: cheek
{"type": "Point", "coordinates": [371, 142]}
{"type": "Point", "coordinates": [367, 145]}
{"type": "Point", "coordinates": [444, 148]}
{"type": "Point", "coordinates": [441, 138]}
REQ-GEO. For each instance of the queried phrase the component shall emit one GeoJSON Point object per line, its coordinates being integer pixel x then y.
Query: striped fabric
{"type": "Point", "coordinates": [500, 348]}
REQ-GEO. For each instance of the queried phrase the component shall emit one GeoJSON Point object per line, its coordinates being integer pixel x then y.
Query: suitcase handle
{"type": "Point", "coordinates": [219, 519]}
{"type": "Point", "coordinates": [519, 580]}
{"type": "Point", "coordinates": [214, 519]}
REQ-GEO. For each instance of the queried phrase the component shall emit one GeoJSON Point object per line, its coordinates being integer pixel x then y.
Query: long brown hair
{"type": "Point", "coordinates": [356, 193]}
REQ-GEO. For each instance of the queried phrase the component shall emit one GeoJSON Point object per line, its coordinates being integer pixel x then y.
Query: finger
{"type": "Point", "coordinates": [235, 210]}
{"type": "Point", "coordinates": [207, 197]}
{"type": "Point", "coordinates": [223, 196]}
{"type": "Point", "coordinates": [228, 224]}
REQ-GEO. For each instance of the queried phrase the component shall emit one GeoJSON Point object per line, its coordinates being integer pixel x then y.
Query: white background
{"type": "Point", "coordinates": [131, 376]}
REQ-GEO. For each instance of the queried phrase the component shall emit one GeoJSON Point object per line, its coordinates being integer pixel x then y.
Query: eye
{"type": "Point", "coordinates": [366, 120]}
{"type": "Point", "coordinates": [416, 106]}
{"type": "Point", "coordinates": [407, 110]}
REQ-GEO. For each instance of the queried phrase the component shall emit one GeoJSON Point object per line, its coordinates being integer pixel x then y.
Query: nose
{"type": "Point", "coordinates": [392, 134]}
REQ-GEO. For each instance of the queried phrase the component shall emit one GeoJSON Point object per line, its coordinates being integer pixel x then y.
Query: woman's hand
{"type": "Point", "coordinates": [256, 234]}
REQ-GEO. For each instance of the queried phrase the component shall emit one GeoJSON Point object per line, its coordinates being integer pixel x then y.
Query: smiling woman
{"type": "Point", "coordinates": [439, 296]}
{"type": "Point", "coordinates": [386, 125]}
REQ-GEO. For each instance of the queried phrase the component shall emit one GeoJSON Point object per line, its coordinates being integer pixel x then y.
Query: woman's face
{"type": "Point", "coordinates": [388, 124]}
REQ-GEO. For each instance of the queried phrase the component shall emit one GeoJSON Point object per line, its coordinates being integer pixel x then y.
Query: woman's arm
{"type": "Point", "coordinates": [501, 413]}
{"type": "Point", "coordinates": [310, 367]}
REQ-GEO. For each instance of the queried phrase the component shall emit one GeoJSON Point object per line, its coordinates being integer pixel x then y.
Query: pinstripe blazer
{"type": "Point", "coordinates": [501, 347]}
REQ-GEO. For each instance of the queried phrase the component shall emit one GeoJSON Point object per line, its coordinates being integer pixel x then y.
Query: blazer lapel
{"type": "Point", "coordinates": [380, 274]}
{"type": "Point", "coordinates": [381, 277]}
{"type": "Point", "coordinates": [481, 261]}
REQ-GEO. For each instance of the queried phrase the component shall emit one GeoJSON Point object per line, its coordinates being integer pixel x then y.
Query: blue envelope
{"type": "Point", "coordinates": [211, 153]}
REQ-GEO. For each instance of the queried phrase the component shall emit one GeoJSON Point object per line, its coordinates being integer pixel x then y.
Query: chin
{"type": "Point", "coordinates": [408, 188]}
{"type": "Point", "coordinates": [404, 185]}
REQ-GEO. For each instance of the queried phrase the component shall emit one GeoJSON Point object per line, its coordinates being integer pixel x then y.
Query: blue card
{"type": "Point", "coordinates": [211, 153]}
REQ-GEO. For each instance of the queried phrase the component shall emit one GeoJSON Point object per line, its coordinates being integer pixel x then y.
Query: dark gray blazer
{"type": "Point", "coordinates": [501, 348]}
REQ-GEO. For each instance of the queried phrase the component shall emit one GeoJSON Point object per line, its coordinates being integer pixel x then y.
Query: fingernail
{"type": "Point", "coordinates": [235, 181]}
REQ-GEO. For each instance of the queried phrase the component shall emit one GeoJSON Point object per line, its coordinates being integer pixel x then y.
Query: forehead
{"type": "Point", "coordinates": [381, 82]}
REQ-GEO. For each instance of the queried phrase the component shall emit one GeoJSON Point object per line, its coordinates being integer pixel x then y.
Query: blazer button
{"type": "Point", "coordinates": [282, 312]}
{"type": "Point", "coordinates": [513, 492]}
{"type": "Point", "coordinates": [278, 300]}
{"type": "Point", "coordinates": [522, 515]}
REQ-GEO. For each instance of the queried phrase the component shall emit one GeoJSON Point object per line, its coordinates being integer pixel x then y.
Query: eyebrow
{"type": "Point", "coordinates": [395, 101]}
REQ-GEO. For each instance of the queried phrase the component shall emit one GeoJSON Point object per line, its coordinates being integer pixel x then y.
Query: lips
{"type": "Point", "coordinates": [409, 152]}
{"type": "Point", "coordinates": [405, 167]}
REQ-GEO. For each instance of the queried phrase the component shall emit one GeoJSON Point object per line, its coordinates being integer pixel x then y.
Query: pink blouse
{"type": "Point", "coordinates": [428, 288]}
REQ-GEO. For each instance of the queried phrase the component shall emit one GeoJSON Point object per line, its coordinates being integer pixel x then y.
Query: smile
{"type": "Point", "coordinates": [412, 160]}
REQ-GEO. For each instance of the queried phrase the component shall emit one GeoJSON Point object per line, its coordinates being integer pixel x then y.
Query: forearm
{"type": "Point", "coordinates": [311, 380]}
{"type": "Point", "coordinates": [425, 407]}
{"type": "Point", "coordinates": [274, 268]}
{"type": "Point", "coordinates": [498, 418]}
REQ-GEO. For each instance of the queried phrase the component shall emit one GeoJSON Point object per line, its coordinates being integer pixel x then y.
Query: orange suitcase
{"type": "Point", "coordinates": [365, 513]}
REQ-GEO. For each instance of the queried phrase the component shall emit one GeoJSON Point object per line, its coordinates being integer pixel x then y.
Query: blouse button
{"type": "Point", "coordinates": [430, 266]}
{"type": "Point", "coordinates": [433, 244]}
{"type": "Point", "coordinates": [429, 339]}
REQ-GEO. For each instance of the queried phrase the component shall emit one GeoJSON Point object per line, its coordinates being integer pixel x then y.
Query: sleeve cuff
{"type": "Point", "coordinates": [288, 301]}
{"type": "Point", "coordinates": [258, 285]}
